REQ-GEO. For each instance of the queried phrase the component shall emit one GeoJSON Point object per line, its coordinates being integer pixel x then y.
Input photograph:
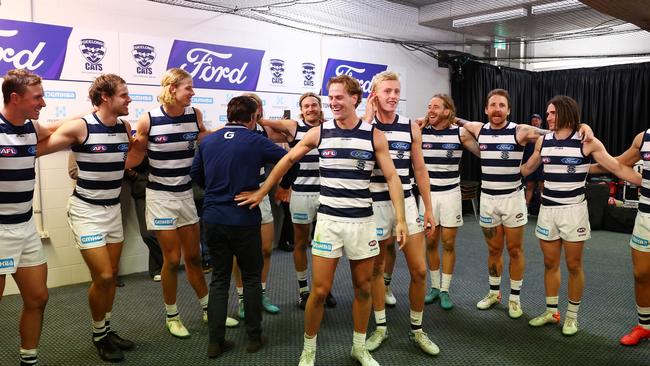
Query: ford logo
{"type": "Point", "coordinates": [189, 136]}
{"type": "Point", "coordinates": [32, 150]}
{"type": "Point", "coordinates": [571, 161]}
{"type": "Point", "coordinates": [328, 153]}
{"type": "Point", "coordinates": [505, 147]}
{"type": "Point", "coordinates": [360, 154]}
{"type": "Point", "coordinates": [400, 146]}
{"type": "Point", "coordinates": [123, 147]}
{"type": "Point", "coordinates": [450, 146]}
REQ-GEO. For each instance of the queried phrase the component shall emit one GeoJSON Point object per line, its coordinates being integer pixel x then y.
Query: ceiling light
{"type": "Point", "coordinates": [557, 6]}
{"type": "Point", "coordinates": [488, 18]}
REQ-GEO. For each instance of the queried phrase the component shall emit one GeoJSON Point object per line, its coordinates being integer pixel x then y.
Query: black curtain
{"type": "Point", "coordinates": [614, 100]}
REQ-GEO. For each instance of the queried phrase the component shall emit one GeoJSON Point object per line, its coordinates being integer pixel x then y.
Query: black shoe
{"type": "Point", "coordinates": [108, 351]}
{"type": "Point", "coordinates": [216, 349]}
{"type": "Point", "coordinates": [302, 302]}
{"type": "Point", "coordinates": [207, 268]}
{"type": "Point", "coordinates": [330, 301]}
{"type": "Point", "coordinates": [286, 246]}
{"type": "Point", "coordinates": [119, 283]}
{"type": "Point", "coordinates": [256, 344]}
{"type": "Point", "coordinates": [119, 342]}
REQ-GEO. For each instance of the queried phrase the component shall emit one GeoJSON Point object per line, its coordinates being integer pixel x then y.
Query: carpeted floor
{"type": "Point", "coordinates": [465, 335]}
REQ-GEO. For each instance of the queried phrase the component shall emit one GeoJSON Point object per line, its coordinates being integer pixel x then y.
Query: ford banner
{"type": "Point", "coordinates": [39, 48]}
{"type": "Point", "coordinates": [217, 67]}
{"type": "Point", "coordinates": [364, 72]}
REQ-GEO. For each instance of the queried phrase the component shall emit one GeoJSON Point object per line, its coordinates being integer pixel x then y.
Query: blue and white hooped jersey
{"type": "Point", "coordinates": [442, 150]}
{"type": "Point", "coordinates": [17, 175]}
{"type": "Point", "coordinates": [501, 156]}
{"type": "Point", "coordinates": [347, 158]}
{"type": "Point", "coordinates": [565, 170]}
{"type": "Point", "coordinates": [172, 141]}
{"type": "Point", "coordinates": [100, 161]}
{"type": "Point", "coordinates": [644, 198]}
{"type": "Point", "coordinates": [308, 179]}
{"type": "Point", "coordinates": [399, 137]}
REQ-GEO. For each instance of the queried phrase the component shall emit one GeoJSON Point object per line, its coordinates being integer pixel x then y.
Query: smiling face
{"type": "Point", "coordinates": [436, 111]}
{"type": "Point", "coordinates": [388, 95]}
{"type": "Point", "coordinates": [311, 110]}
{"type": "Point", "coordinates": [119, 102]}
{"type": "Point", "coordinates": [30, 102]}
{"type": "Point", "coordinates": [497, 110]}
{"type": "Point", "coordinates": [183, 92]}
{"type": "Point", "coordinates": [342, 104]}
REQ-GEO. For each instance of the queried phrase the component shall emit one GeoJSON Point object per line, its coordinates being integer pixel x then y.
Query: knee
{"type": "Point", "coordinates": [362, 293]}
{"type": "Point", "coordinates": [432, 245]}
{"type": "Point", "coordinates": [574, 267]}
{"type": "Point", "coordinates": [172, 262]}
{"type": "Point", "coordinates": [551, 264]}
{"type": "Point", "coordinates": [418, 275]}
{"type": "Point", "coordinates": [37, 300]}
{"type": "Point", "coordinates": [266, 252]}
{"type": "Point", "coordinates": [104, 279]}
{"type": "Point", "coordinates": [495, 252]}
{"type": "Point", "coordinates": [515, 253]}
{"type": "Point", "coordinates": [448, 245]}
{"type": "Point", "coordinates": [642, 275]}
{"type": "Point", "coordinates": [320, 292]}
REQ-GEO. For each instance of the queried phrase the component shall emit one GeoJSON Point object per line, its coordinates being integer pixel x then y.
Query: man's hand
{"type": "Point", "coordinates": [282, 195]}
{"type": "Point", "coordinates": [586, 132]}
{"type": "Point", "coordinates": [429, 224]}
{"type": "Point", "coordinates": [421, 122]}
{"type": "Point", "coordinates": [401, 233]}
{"type": "Point", "coordinates": [249, 198]}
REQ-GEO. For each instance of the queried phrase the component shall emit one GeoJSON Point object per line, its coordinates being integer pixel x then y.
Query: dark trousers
{"type": "Point", "coordinates": [245, 243]}
{"type": "Point", "coordinates": [149, 238]}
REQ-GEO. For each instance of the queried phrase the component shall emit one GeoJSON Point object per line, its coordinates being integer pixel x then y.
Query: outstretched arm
{"type": "Point", "coordinates": [527, 133]}
{"type": "Point", "coordinates": [474, 128]}
{"type": "Point", "coordinates": [628, 158]}
{"type": "Point", "coordinates": [597, 150]}
{"type": "Point", "coordinates": [285, 127]}
{"type": "Point", "coordinates": [70, 133]}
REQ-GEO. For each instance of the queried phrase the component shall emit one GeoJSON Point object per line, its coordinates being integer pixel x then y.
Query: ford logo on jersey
{"type": "Point", "coordinates": [123, 147]}
{"type": "Point", "coordinates": [160, 139]}
{"type": "Point", "coordinates": [98, 148]}
{"type": "Point", "coordinates": [8, 151]}
{"type": "Point", "coordinates": [190, 136]}
{"type": "Point", "coordinates": [328, 153]}
{"type": "Point", "coordinates": [505, 147]}
{"type": "Point", "coordinates": [360, 154]}
{"type": "Point", "coordinates": [32, 150]}
{"type": "Point", "coordinates": [450, 146]}
{"type": "Point", "coordinates": [571, 161]}
{"type": "Point", "coordinates": [400, 146]}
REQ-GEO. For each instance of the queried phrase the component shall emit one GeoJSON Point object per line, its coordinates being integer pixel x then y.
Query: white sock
{"type": "Point", "coordinates": [416, 321]}
{"type": "Point", "coordinates": [380, 318]}
{"type": "Point", "coordinates": [644, 316]}
{"type": "Point", "coordinates": [99, 329]}
{"type": "Point", "coordinates": [263, 286]}
{"type": "Point", "coordinates": [358, 339]}
{"type": "Point", "coordinates": [302, 281]}
{"type": "Point", "coordinates": [551, 303]}
{"type": "Point", "coordinates": [495, 283]}
{"type": "Point", "coordinates": [171, 310]}
{"type": "Point", "coordinates": [446, 281]}
{"type": "Point", "coordinates": [435, 278]}
{"type": "Point", "coordinates": [204, 301]}
{"type": "Point", "coordinates": [309, 344]}
{"type": "Point", "coordinates": [515, 288]}
{"type": "Point", "coordinates": [572, 309]}
{"type": "Point", "coordinates": [29, 356]}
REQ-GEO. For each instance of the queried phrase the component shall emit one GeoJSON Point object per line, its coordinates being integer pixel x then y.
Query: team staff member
{"type": "Point", "coordinates": [229, 162]}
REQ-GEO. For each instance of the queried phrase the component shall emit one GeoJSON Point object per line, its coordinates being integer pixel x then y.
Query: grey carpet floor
{"type": "Point", "coordinates": [465, 335]}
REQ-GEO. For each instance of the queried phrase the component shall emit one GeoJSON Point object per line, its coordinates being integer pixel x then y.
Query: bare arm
{"type": "Point", "coordinates": [534, 161]}
{"type": "Point", "coordinates": [597, 150]}
{"type": "Point", "coordinates": [474, 128]}
{"type": "Point", "coordinates": [70, 133]}
{"type": "Point", "coordinates": [421, 174]}
{"type": "Point", "coordinates": [203, 132]}
{"type": "Point", "coordinates": [285, 127]}
{"type": "Point", "coordinates": [469, 142]}
{"type": "Point", "coordinates": [527, 133]}
{"type": "Point", "coordinates": [139, 145]}
{"type": "Point", "coordinates": [382, 157]}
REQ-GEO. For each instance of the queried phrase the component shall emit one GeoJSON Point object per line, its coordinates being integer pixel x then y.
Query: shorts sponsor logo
{"type": "Point", "coordinates": [360, 154]}
{"type": "Point", "coordinates": [571, 161]}
{"type": "Point", "coordinates": [328, 153]}
{"type": "Point", "coordinates": [123, 147]}
{"type": "Point", "coordinates": [639, 241]}
{"type": "Point", "coordinates": [7, 263]}
{"type": "Point", "coordinates": [98, 148]}
{"type": "Point", "coordinates": [505, 147]}
{"type": "Point", "coordinates": [164, 221]}
{"type": "Point", "coordinates": [190, 136]}
{"type": "Point", "coordinates": [380, 231]}
{"type": "Point", "coordinates": [485, 219]}
{"type": "Point", "coordinates": [541, 230]}
{"type": "Point", "coordinates": [8, 151]}
{"type": "Point", "coordinates": [92, 238]}
{"type": "Point", "coordinates": [160, 139]}
{"type": "Point", "coordinates": [322, 246]}
{"type": "Point", "coordinates": [519, 215]}
{"type": "Point", "coordinates": [581, 230]}
{"type": "Point", "coordinates": [300, 216]}
{"type": "Point", "coordinates": [372, 243]}
{"type": "Point", "coordinates": [427, 146]}
{"type": "Point", "coordinates": [400, 145]}
{"type": "Point", "coordinates": [458, 217]}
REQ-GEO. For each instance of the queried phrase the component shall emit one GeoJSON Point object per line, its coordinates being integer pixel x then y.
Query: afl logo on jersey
{"type": "Point", "coordinates": [8, 151]}
{"type": "Point", "coordinates": [646, 156]}
{"type": "Point", "coordinates": [546, 160]}
{"type": "Point", "coordinates": [123, 147]}
{"type": "Point", "coordinates": [400, 146]}
{"type": "Point", "coordinates": [189, 136]}
{"type": "Point", "coordinates": [360, 154]}
{"type": "Point", "coordinates": [505, 147]}
{"type": "Point", "coordinates": [160, 139]}
{"type": "Point", "coordinates": [571, 161]}
{"type": "Point", "coordinates": [328, 153]}
{"type": "Point", "coordinates": [98, 148]}
{"type": "Point", "coordinates": [482, 146]}
{"type": "Point", "coordinates": [427, 146]}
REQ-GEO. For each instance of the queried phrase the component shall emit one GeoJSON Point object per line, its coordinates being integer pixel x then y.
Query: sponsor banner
{"type": "Point", "coordinates": [64, 99]}
{"type": "Point", "coordinates": [216, 66]}
{"type": "Point", "coordinates": [362, 71]}
{"type": "Point", "coordinates": [143, 59]}
{"type": "Point", "coordinates": [40, 48]}
{"type": "Point", "coordinates": [281, 73]}
{"type": "Point", "coordinates": [91, 53]}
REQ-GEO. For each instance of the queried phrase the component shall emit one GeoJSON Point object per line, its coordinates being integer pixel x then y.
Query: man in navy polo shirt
{"type": "Point", "coordinates": [229, 162]}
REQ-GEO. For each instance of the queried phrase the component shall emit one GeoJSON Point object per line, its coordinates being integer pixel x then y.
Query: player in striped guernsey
{"type": "Point", "coordinates": [21, 251]}
{"type": "Point", "coordinates": [442, 147]}
{"type": "Point", "coordinates": [563, 220]}
{"type": "Point", "coordinates": [639, 151]}
{"type": "Point", "coordinates": [304, 193]}
{"type": "Point", "coordinates": [503, 206]}
{"type": "Point", "coordinates": [99, 141]}
{"type": "Point", "coordinates": [405, 148]}
{"type": "Point", "coordinates": [348, 149]}
{"type": "Point", "coordinates": [168, 135]}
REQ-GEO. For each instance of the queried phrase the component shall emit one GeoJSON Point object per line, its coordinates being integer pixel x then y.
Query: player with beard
{"type": "Point", "coordinates": [99, 141]}
{"type": "Point", "coordinates": [442, 146]}
{"type": "Point", "coordinates": [503, 211]}
{"type": "Point", "coordinates": [305, 190]}
{"type": "Point", "coordinates": [405, 148]}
